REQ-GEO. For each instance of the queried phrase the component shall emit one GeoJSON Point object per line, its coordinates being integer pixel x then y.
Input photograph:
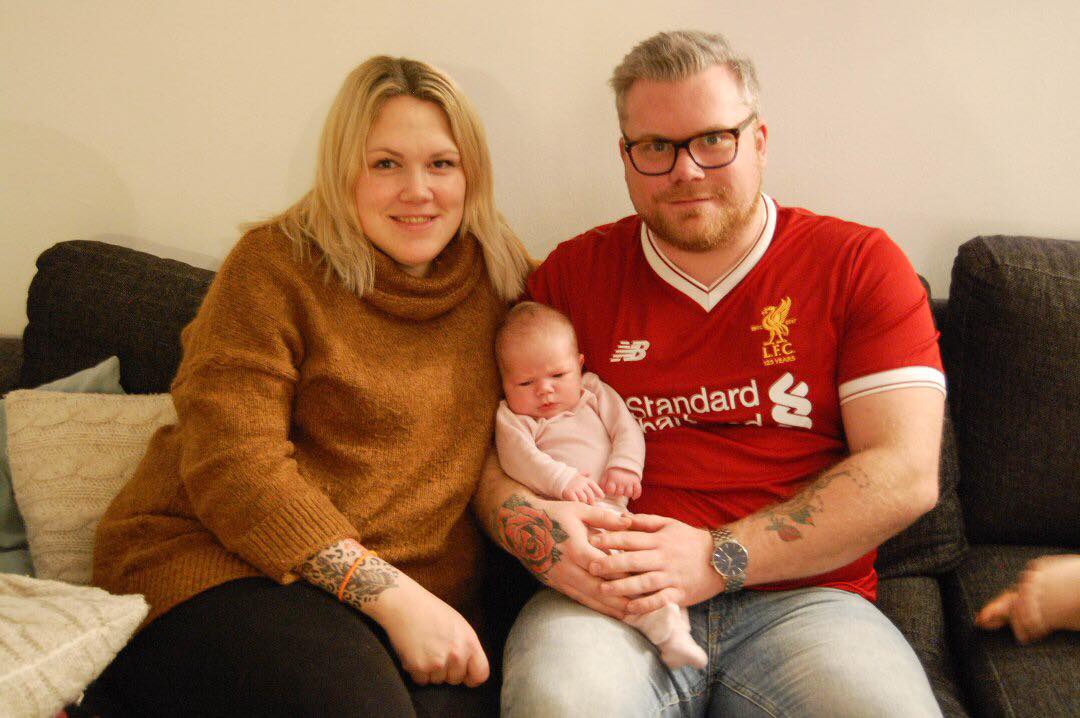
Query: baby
{"type": "Point", "coordinates": [569, 436]}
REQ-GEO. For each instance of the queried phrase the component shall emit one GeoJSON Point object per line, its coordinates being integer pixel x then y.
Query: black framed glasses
{"type": "Point", "coordinates": [709, 150]}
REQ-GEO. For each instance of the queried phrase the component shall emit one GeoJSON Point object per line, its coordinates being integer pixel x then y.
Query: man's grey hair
{"type": "Point", "coordinates": [671, 56]}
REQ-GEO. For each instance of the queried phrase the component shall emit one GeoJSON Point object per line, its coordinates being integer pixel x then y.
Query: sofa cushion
{"type": "Point", "coordinates": [89, 300]}
{"type": "Point", "coordinates": [70, 455]}
{"type": "Point", "coordinates": [914, 605]}
{"type": "Point", "coordinates": [56, 638]}
{"type": "Point", "coordinates": [1001, 677]}
{"type": "Point", "coordinates": [1014, 372]}
{"type": "Point", "coordinates": [104, 378]}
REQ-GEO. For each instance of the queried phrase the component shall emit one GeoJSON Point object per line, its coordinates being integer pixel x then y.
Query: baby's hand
{"type": "Point", "coordinates": [582, 488]}
{"type": "Point", "coordinates": [620, 482]}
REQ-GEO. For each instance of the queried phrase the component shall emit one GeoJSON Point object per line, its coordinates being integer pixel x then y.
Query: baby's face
{"type": "Point", "coordinates": [542, 375]}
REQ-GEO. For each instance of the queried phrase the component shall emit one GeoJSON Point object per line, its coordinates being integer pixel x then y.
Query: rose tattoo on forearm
{"type": "Point", "coordinates": [530, 535]}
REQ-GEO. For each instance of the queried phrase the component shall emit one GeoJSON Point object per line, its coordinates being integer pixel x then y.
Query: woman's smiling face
{"type": "Point", "coordinates": [411, 195]}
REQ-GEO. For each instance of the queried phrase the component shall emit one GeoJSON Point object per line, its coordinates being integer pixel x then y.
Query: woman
{"type": "Point", "coordinates": [302, 533]}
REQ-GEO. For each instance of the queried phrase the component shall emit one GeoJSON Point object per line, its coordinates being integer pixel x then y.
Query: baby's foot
{"type": "Point", "coordinates": [1048, 596]}
{"type": "Point", "coordinates": [680, 650]}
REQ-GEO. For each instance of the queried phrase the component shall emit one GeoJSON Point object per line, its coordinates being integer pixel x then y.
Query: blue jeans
{"type": "Point", "coordinates": [807, 652]}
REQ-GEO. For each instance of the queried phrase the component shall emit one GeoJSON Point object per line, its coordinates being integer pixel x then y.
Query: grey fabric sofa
{"type": "Point", "coordinates": [1010, 464]}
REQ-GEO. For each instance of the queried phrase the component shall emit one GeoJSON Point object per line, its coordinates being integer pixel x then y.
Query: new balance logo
{"type": "Point", "coordinates": [630, 350]}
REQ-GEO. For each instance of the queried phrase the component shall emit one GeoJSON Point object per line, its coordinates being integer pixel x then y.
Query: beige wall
{"type": "Point", "coordinates": [163, 125]}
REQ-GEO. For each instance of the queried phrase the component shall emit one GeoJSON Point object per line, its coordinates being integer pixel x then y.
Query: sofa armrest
{"type": "Point", "coordinates": [10, 362]}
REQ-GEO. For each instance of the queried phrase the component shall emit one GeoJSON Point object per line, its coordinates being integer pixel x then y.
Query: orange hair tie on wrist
{"type": "Point", "coordinates": [364, 556]}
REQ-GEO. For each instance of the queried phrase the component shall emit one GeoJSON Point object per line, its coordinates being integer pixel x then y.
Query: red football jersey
{"type": "Point", "coordinates": [738, 386]}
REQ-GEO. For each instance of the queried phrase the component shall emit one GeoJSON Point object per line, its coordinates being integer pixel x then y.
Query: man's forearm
{"type": "Point", "coordinates": [888, 481]}
{"type": "Point", "coordinates": [845, 512]}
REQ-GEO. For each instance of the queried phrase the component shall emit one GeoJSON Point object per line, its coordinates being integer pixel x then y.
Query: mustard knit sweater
{"type": "Point", "coordinates": [308, 415]}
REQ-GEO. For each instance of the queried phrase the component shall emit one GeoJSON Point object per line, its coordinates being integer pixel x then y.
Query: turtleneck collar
{"type": "Point", "coordinates": [453, 276]}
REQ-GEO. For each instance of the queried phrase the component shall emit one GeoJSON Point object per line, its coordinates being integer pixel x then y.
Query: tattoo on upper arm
{"type": "Point", "coordinates": [328, 568]}
{"type": "Point", "coordinates": [529, 534]}
{"type": "Point", "coordinates": [786, 517]}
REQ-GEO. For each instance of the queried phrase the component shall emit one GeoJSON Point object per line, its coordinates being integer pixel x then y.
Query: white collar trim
{"type": "Point", "coordinates": [709, 296]}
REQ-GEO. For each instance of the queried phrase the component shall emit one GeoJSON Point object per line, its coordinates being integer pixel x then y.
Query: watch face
{"type": "Point", "coordinates": [730, 558]}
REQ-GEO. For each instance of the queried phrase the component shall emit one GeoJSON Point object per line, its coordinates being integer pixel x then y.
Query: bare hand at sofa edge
{"type": "Point", "coordinates": [1045, 598]}
{"type": "Point", "coordinates": [433, 641]}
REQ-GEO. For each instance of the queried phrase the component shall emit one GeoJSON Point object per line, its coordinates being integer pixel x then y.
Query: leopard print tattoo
{"type": "Point", "coordinates": [369, 580]}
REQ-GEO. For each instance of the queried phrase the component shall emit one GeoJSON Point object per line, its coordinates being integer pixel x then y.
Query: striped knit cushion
{"type": "Point", "coordinates": [55, 638]}
{"type": "Point", "coordinates": [70, 454]}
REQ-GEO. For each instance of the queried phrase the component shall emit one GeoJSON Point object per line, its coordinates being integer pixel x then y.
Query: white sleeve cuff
{"type": "Point", "coordinates": [903, 378]}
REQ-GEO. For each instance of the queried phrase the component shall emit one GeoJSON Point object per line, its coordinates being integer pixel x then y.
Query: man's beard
{"type": "Point", "coordinates": [722, 229]}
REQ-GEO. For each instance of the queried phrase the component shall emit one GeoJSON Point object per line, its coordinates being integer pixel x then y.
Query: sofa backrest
{"type": "Point", "coordinates": [1013, 360]}
{"type": "Point", "coordinates": [90, 300]}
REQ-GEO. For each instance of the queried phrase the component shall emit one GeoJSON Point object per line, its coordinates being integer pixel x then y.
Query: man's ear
{"type": "Point", "coordinates": [761, 141]}
{"type": "Point", "coordinates": [580, 361]}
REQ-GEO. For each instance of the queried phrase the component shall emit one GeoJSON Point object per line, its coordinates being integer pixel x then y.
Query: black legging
{"type": "Point", "coordinates": [253, 647]}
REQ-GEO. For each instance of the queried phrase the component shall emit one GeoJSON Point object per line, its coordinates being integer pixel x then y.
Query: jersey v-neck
{"type": "Point", "coordinates": [708, 297]}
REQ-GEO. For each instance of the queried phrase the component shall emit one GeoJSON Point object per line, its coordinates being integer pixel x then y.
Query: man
{"type": "Point", "coordinates": [785, 370]}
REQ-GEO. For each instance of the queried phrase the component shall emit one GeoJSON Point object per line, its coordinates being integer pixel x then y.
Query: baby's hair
{"type": "Point", "coordinates": [528, 319]}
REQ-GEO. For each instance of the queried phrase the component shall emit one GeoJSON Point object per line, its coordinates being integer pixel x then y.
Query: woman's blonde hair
{"type": "Point", "coordinates": [326, 216]}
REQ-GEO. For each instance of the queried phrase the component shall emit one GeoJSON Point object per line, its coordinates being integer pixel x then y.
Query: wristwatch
{"type": "Point", "coordinates": [729, 558]}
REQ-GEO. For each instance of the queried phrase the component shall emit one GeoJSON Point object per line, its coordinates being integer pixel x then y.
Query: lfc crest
{"type": "Point", "coordinates": [776, 349]}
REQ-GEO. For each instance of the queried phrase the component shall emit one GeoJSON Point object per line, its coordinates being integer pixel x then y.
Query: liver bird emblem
{"type": "Point", "coordinates": [774, 319]}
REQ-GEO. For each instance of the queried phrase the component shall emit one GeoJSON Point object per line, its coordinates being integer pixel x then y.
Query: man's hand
{"type": "Point", "coordinates": [667, 561]}
{"type": "Point", "coordinates": [582, 488]}
{"type": "Point", "coordinates": [550, 538]}
{"type": "Point", "coordinates": [620, 482]}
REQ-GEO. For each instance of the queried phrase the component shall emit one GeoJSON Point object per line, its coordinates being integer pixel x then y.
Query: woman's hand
{"type": "Point", "coordinates": [433, 641]}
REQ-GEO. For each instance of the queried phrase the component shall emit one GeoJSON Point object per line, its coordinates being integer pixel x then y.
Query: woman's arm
{"type": "Point", "coordinates": [234, 394]}
{"type": "Point", "coordinates": [434, 642]}
{"type": "Point", "coordinates": [350, 572]}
